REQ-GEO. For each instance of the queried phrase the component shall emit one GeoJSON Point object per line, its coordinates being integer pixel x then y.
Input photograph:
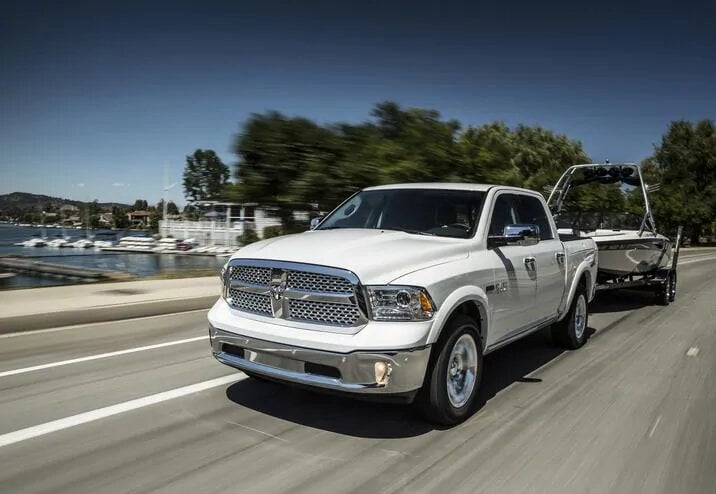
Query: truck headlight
{"type": "Point", "coordinates": [400, 303]}
{"type": "Point", "coordinates": [222, 277]}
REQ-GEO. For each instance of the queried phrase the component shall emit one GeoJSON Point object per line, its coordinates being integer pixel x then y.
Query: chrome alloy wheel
{"type": "Point", "coordinates": [462, 370]}
{"type": "Point", "coordinates": [580, 317]}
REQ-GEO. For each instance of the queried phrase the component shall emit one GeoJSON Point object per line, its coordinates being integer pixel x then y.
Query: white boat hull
{"type": "Point", "coordinates": [624, 254]}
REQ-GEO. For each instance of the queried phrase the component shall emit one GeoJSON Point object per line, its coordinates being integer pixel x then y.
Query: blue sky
{"type": "Point", "coordinates": [95, 97]}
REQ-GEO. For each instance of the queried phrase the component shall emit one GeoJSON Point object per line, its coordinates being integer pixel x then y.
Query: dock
{"type": "Point", "coordinates": [19, 264]}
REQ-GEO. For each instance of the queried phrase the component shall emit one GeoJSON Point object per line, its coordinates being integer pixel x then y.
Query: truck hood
{"type": "Point", "coordinates": [375, 256]}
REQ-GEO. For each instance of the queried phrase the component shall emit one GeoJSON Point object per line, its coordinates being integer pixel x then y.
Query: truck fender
{"type": "Point", "coordinates": [463, 294]}
{"type": "Point", "coordinates": [584, 268]}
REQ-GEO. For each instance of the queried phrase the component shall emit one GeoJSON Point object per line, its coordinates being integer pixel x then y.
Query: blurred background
{"type": "Point", "coordinates": [208, 126]}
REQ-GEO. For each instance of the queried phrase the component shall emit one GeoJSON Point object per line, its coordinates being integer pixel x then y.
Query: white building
{"type": "Point", "coordinates": [224, 227]}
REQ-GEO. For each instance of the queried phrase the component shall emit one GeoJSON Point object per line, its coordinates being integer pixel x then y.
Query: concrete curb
{"type": "Point", "coordinates": [47, 320]}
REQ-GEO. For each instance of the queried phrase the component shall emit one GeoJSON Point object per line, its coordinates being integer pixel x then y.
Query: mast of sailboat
{"type": "Point", "coordinates": [87, 222]}
{"type": "Point", "coordinates": [43, 231]}
{"type": "Point", "coordinates": [167, 187]}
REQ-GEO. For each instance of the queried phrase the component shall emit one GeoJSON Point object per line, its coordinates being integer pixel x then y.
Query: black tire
{"type": "Point", "coordinates": [571, 332]}
{"type": "Point", "coordinates": [434, 400]}
{"type": "Point", "coordinates": [663, 294]}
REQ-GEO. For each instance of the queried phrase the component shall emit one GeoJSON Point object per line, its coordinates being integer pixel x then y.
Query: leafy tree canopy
{"type": "Point", "coordinates": [292, 163]}
{"type": "Point", "coordinates": [205, 176]}
{"type": "Point", "coordinates": [685, 166]}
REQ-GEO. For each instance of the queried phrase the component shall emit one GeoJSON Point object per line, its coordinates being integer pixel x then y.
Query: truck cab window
{"type": "Point", "coordinates": [530, 211]}
{"type": "Point", "coordinates": [503, 214]}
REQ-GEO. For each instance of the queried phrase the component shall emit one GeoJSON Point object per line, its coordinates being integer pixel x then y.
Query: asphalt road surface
{"type": "Point", "coordinates": [140, 406]}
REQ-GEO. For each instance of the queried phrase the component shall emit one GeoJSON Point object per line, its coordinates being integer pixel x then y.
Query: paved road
{"type": "Point", "coordinates": [633, 411]}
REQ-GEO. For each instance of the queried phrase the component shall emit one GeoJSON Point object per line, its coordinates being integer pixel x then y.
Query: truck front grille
{"type": "Point", "coordinates": [249, 302]}
{"type": "Point", "coordinates": [324, 312]}
{"type": "Point", "coordinates": [315, 282]}
{"type": "Point", "coordinates": [300, 292]}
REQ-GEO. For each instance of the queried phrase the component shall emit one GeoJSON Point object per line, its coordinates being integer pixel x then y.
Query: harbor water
{"type": "Point", "coordinates": [142, 264]}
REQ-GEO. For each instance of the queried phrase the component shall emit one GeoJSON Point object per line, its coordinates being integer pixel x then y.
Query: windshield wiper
{"type": "Point", "coordinates": [417, 232]}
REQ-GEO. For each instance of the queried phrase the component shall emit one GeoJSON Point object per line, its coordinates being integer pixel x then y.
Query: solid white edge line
{"type": "Point", "coordinates": [33, 332]}
{"type": "Point", "coordinates": [696, 260]}
{"type": "Point", "coordinates": [100, 413]}
{"type": "Point", "coordinates": [50, 365]}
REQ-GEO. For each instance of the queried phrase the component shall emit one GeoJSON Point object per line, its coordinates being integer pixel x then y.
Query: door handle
{"type": "Point", "coordinates": [560, 257]}
{"type": "Point", "coordinates": [529, 262]}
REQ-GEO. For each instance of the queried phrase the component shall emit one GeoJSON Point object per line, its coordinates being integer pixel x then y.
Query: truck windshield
{"type": "Point", "coordinates": [439, 212]}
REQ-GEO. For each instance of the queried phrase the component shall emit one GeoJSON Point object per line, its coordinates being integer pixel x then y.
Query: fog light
{"type": "Point", "coordinates": [382, 373]}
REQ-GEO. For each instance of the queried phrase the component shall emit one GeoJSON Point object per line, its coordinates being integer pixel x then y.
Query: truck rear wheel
{"type": "Point", "coordinates": [448, 393]}
{"type": "Point", "coordinates": [571, 332]}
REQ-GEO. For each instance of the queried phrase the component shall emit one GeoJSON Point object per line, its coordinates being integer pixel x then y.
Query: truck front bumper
{"type": "Point", "coordinates": [386, 372]}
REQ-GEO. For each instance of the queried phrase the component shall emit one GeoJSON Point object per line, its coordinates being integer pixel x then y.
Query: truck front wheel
{"type": "Point", "coordinates": [451, 384]}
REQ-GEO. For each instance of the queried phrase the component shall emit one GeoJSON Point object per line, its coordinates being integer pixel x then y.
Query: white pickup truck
{"type": "Point", "coordinates": [401, 290]}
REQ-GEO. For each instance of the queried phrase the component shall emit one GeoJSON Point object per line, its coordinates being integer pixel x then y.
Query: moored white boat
{"type": "Point", "coordinates": [58, 242]}
{"type": "Point", "coordinates": [33, 242]}
{"type": "Point", "coordinates": [166, 244]}
{"type": "Point", "coordinates": [100, 244]}
{"type": "Point", "coordinates": [82, 244]}
{"type": "Point", "coordinates": [137, 243]}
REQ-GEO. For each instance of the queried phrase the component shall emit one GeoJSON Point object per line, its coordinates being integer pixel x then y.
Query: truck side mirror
{"type": "Point", "coordinates": [315, 221]}
{"type": "Point", "coordinates": [523, 234]}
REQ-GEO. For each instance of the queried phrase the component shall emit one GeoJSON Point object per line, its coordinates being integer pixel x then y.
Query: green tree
{"type": "Point", "coordinates": [205, 176]}
{"type": "Point", "coordinates": [119, 217]}
{"type": "Point", "coordinates": [286, 163]}
{"type": "Point", "coordinates": [140, 205]}
{"type": "Point", "coordinates": [294, 163]}
{"type": "Point", "coordinates": [171, 207]}
{"type": "Point", "coordinates": [685, 166]}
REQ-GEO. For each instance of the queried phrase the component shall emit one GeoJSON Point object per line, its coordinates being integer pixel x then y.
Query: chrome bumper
{"type": "Point", "coordinates": [378, 373]}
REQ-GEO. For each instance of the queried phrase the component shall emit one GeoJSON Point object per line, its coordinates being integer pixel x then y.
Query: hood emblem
{"type": "Point", "coordinates": [277, 287]}
{"type": "Point", "coordinates": [277, 290]}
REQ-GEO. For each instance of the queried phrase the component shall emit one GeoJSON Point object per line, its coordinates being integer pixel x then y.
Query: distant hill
{"type": "Point", "coordinates": [21, 202]}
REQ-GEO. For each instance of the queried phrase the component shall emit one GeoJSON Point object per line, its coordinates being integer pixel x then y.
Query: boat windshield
{"type": "Point", "coordinates": [438, 212]}
{"type": "Point", "coordinates": [589, 221]}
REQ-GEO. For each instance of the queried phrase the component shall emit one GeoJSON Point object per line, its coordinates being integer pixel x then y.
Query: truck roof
{"type": "Point", "coordinates": [434, 185]}
{"type": "Point", "coordinates": [447, 186]}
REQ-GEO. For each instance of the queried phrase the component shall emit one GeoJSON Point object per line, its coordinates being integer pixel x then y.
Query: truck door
{"type": "Point", "coordinates": [549, 257]}
{"type": "Point", "coordinates": [512, 296]}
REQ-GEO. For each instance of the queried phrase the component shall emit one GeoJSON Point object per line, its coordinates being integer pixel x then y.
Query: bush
{"type": "Point", "coordinates": [248, 237]}
{"type": "Point", "coordinates": [273, 231]}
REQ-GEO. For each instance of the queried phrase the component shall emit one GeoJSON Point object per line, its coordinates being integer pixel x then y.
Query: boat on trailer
{"type": "Point", "coordinates": [631, 252]}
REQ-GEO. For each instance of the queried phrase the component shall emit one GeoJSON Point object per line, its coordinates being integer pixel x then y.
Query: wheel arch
{"type": "Point", "coordinates": [471, 301]}
{"type": "Point", "coordinates": [582, 276]}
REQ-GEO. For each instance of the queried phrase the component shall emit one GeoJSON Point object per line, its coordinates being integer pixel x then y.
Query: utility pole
{"type": "Point", "coordinates": [167, 187]}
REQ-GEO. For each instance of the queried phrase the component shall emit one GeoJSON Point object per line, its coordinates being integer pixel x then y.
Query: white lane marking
{"type": "Point", "coordinates": [100, 413]}
{"type": "Point", "coordinates": [692, 352]}
{"type": "Point", "coordinates": [696, 260]}
{"type": "Point", "coordinates": [92, 324]}
{"type": "Point", "coordinates": [100, 356]}
{"type": "Point", "coordinates": [656, 424]}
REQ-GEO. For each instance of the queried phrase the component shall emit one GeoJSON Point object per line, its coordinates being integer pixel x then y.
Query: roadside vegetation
{"type": "Point", "coordinates": [293, 163]}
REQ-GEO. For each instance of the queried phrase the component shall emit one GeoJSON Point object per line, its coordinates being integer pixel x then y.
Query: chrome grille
{"type": "Point", "coordinates": [316, 282]}
{"type": "Point", "coordinates": [292, 291]}
{"type": "Point", "coordinates": [251, 274]}
{"type": "Point", "coordinates": [324, 312]}
{"type": "Point", "coordinates": [249, 302]}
